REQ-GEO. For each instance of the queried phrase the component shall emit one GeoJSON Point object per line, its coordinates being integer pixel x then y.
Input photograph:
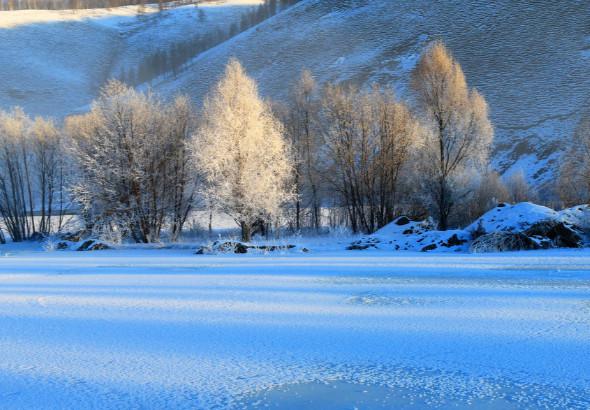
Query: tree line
{"type": "Point", "coordinates": [9, 5]}
{"type": "Point", "coordinates": [135, 166]}
{"type": "Point", "coordinates": [169, 61]}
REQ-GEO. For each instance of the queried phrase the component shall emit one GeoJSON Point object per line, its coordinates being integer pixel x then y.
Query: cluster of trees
{"type": "Point", "coordinates": [137, 165]}
{"type": "Point", "coordinates": [171, 60]}
{"type": "Point", "coordinates": [33, 171]}
{"type": "Point", "coordinates": [380, 157]}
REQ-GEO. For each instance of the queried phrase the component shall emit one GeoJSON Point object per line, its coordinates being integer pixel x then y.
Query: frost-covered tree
{"type": "Point", "coordinates": [131, 155]}
{"type": "Point", "coordinates": [16, 180]}
{"type": "Point", "coordinates": [460, 131]}
{"type": "Point", "coordinates": [241, 152]}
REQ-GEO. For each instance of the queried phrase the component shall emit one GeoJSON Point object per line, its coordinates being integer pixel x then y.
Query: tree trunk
{"type": "Point", "coordinates": [298, 215]}
{"type": "Point", "coordinates": [246, 232]}
{"type": "Point", "coordinates": [210, 224]}
{"type": "Point", "coordinates": [443, 222]}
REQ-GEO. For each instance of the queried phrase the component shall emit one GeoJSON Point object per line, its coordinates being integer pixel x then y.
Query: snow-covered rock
{"type": "Point", "coordinates": [404, 234]}
{"type": "Point", "coordinates": [512, 218]}
{"type": "Point", "coordinates": [503, 241]}
{"type": "Point", "coordinates": [578, 216]}
{"type": "Point", "coordinates": [221, 247]}
{"type": "Point", "coordinates": [521, 226]}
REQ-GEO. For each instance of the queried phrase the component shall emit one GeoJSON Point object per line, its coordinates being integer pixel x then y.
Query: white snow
{"type": "Point", "coordinates": [169, 329]}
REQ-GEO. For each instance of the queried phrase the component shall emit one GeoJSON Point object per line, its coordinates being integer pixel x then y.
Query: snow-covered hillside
{"type": "Point", "coordinates": [532, 62]}
{"type": "Point", "coordinates": [54, 62]}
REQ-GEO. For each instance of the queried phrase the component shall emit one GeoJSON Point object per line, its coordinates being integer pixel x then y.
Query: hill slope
{"type": "Point", "coordinates": [531, 62]}
{"type": "Point", "coordinates": [54, 62]}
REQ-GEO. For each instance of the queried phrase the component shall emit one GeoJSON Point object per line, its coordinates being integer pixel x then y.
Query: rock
{"type": "Point", "coordinates": [86, 245]}
{"type": "Point", "coordinates": [363, 244]}
{"type": "Point", "coordinates": [62, 245]}
{"type": "Point", "coordinates": [230, 247]}
{"type": "Point", "coordinates": [430, 247]}
{"type": "Point", "coordinates": [272, 248]}
{"type": "Point", "coordinates": [239, 248]}
{"type": "Point", "coordinates": [93, 245]}
{"type": "Point", "coordinates": [359, 247]}
{"type": "Point", "coordinates": [454, 241]}
{"type": "Point", "coordinates": [100, 246]}
{"type": "Point", "coordinates": [402, 220]}
{"type": "Point", "coordinates": [561, 235]}
{"type": "Point", "coordinates": [503, 241]}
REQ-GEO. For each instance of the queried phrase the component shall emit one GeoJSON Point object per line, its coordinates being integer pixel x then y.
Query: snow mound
{"type": "Point", "coordinates": [513, 218]}
{"type": "Point", "coordinates": [405, 235]}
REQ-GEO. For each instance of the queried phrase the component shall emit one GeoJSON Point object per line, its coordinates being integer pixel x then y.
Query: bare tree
{"type": "Point", "coordinates": [48, 150]}
{"type": "Point", "coordinates": [181, 122]}
{"type": "Point", "coordinates": [460, 131]}
{"type": "Point", "coordinates": [32, 176]}
{"type": "Point", "coordinates": [241, 152]}
{"type": "Point", "coordinates": [368, 138]}
{"type": "Point", "coordinates": [16, 202]}
{"type": "Point", "coordinates": [302, 129]}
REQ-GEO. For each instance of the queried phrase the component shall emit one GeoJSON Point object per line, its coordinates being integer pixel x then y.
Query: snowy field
{"type": "Point", "coordinates": [329, 329]}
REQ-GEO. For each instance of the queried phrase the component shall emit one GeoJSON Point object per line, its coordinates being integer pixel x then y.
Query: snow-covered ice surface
{"type": "Point", "coordinates": [169, 329]}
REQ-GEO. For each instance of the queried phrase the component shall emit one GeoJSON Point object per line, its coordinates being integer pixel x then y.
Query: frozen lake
{"type": "Point", "coordinates": [169, 329]}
